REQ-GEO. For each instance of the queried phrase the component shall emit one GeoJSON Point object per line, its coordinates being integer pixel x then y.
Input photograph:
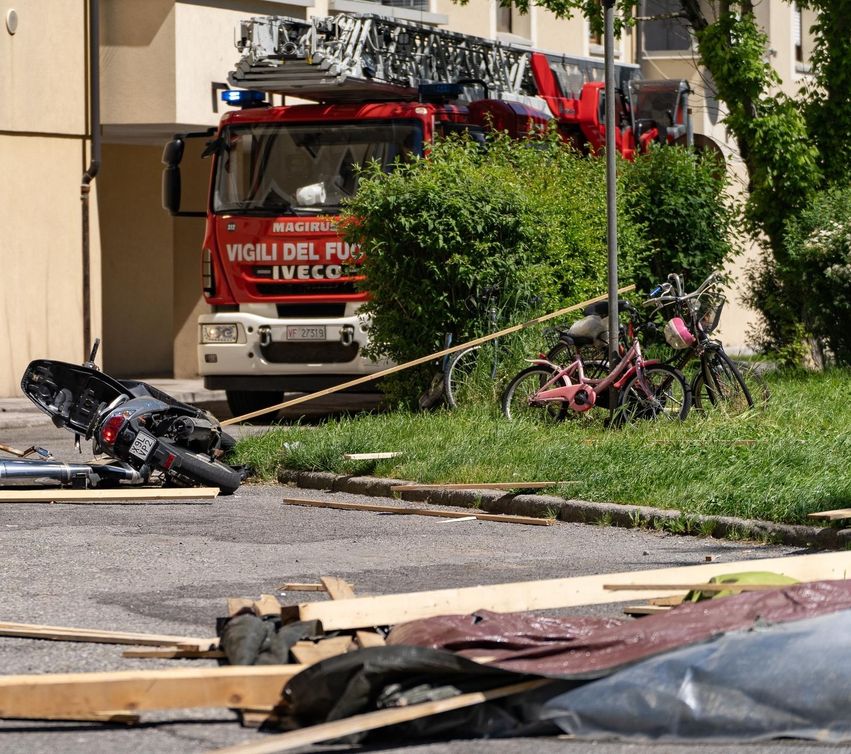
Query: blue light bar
{"type": "Point", "coordinates": [440, 89]}
{"type": "Point", "coordinates": [242, 97]}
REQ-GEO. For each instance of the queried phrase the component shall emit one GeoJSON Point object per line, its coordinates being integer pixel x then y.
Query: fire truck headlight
{"type": "Point", "coordinates": [219, 333]}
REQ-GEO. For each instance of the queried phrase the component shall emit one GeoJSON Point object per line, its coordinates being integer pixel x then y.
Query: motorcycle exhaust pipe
{"type": "Point", "coordinates": [35, 472]}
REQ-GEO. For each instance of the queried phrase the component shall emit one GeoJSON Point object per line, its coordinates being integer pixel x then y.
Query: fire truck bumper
{"type": "Point", "coordinates": [244, 351]}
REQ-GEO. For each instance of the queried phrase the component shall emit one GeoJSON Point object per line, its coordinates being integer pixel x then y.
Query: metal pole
{"type": "Point", "coordinates": [611, 185]}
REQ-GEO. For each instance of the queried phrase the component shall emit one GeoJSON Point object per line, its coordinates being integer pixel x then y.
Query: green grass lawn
{"type": "Point", "coordinates": [777, 463]}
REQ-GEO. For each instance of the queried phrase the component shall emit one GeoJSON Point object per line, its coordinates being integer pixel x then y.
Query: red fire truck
{"type": "Point", "coordinates": [284, 304]}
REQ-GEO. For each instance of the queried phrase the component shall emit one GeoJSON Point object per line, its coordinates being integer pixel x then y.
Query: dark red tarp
{"type": "Point", "coordinates": [590, 647]}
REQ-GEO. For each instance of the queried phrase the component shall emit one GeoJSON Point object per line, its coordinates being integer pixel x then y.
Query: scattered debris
{"type": "Point", "coordinates": [479, 486]}
{"type": "Point", "coordinates": [119, 496]}
{"type": "Point", "coordinates": [323, 670]}
{"type": "Point", "coordinates": [300, 587]}
{"type": "Point", "coordinates": [834, 515]}
{"type": "Point", "coordinates": [466, 514]}
{"type": "Point", "coordinates": [371, 456]}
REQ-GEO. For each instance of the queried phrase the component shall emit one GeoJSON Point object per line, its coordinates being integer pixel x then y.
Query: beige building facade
{"type": "Point", "coordinates": [134, 278]}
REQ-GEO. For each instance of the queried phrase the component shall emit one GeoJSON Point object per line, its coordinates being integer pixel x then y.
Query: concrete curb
{"type": "Point", "coordinates": [577, 511]}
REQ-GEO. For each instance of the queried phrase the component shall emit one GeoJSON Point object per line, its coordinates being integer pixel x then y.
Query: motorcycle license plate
{"type": "Point", "coordinates": [143, 445]}
{"type": "Point", "coordinates": [306, 332]}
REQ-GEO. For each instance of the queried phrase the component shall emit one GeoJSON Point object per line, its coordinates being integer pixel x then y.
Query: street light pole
{"type": "Point", "coordinates": [611, 184]}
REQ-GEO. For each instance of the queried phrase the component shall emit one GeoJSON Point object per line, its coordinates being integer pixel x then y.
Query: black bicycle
{"type": "Point", "coordinates": [689, 321]}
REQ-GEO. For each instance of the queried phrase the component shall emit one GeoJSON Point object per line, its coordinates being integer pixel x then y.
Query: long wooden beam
{"type": "Point", "coordinates": [554, 593]}
{"type": "Point", "coordinates": [372, 720]}
{"type": "Point", "coordinates": [120, 496]}
{"type": "Point", "coordinates": [83, 694]}
{"type": "Point", "coordinates": [423, 359]}
{"type": "Point", "coordinates": [502, 518]}
{"type": "Point", "coordinates": [474, 486]}
{"type": "Point", "coordinates": [98, 636]}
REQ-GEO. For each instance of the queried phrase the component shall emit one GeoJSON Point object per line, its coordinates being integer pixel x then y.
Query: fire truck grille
{"type": "Point", "coordinates": [300, 289]}
{"type": "Point", "coordinates": [323, 352]}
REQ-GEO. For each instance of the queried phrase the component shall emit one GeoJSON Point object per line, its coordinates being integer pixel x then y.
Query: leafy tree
{"type": "Point", "coordinates": [792, 148]}
{"type": "Point", "coordinates": [679, 197]}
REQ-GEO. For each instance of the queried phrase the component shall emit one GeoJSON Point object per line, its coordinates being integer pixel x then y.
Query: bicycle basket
{"type": "Point", "coordinates": [709, 312]}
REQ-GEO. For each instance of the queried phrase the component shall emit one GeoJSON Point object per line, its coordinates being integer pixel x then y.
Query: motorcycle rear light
{"type": "Point", "coordinates": [228, 333]}
{"type": "Point", "coordinates": [111, 428]}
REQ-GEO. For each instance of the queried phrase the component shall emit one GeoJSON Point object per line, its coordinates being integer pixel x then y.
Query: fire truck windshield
{"type": "Point", "coordinates": [303, 168]}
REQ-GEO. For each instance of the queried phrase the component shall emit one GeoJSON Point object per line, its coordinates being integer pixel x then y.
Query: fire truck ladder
{"type": "Point", "coordinates": [369, 57]}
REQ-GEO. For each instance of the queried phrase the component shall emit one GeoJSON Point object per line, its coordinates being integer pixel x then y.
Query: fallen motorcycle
{"type": "Point", "coordinates": [140, 426]}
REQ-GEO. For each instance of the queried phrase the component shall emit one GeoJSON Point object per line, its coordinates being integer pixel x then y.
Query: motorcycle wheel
{"type": "Point", "coordinates": [199, 469]}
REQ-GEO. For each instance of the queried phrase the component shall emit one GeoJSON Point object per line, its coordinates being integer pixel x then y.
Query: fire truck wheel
{"type": "Point", "coordinates": [243, 402]}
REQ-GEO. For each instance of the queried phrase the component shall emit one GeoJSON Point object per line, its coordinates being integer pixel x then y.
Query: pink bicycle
{"type": "Point", "coordinates": [646, 389]}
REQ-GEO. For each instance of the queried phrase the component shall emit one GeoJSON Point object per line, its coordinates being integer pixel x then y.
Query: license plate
{"type": "Point", "coordinates": [143, 445]}
{"type": "Point", "coordinates": [306, 332]}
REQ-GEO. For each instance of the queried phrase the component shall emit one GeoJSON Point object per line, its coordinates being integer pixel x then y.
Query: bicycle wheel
{"type": "Point", "coordinates": [459, 382]}
{"type": "Point", "coordinates": [657, 391]}
{"type": "Point", "coordinates": [720, 384]}
{"type": "Point", "coordinates": [594, 360]}
{"type": "Point", "coordinates": [518, 400]}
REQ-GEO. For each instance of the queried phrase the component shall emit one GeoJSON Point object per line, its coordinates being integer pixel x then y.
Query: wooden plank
{"type": "Point", "coordinates": [399, 510]}
{"type": "Point", "coordinates": [71, 694]}
{"type": "Point", "coordinates": [366, 639]}
{"type": "Point", "coordinates": [117, 717]}
{"type": "Point", "coordinates": [337, 589]}
{"type": "Point", "coordinates": [236, 605]}
{"type": "Point", "coordinates": [694, 587]}
{"type": "Point", "coordinates": [457, 520]}
{"type": "Point", "coordinates": [267, 605]}
{"type": "Point", "coordinates": [174, 653]}
{"type": "Point", "coordinates": [97, 636]}
{"type": "Point", "coordinates": [373, 720]}
{"type": "Point", "coordinates": [645, 609]}
{"type": "Point", "coordinates": [479, 486]}
{"type": "Point", "coordinates": [308, 653]}
{"type": "Point", "coordinates": [555, 593]}
{"type": "Point", "coordinates": [300, 587]}
{"type": "Point", "coordinates": [423, 359]}
{"type": "Point", "coordinates": [124, 495]}
{"type": "Point", "coordinates": [834, 515]}
{"type": "Point", "coordinates": [371, 456]}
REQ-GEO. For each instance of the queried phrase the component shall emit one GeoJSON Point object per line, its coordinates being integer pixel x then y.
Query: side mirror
{"type": "Point", "coordinates": [171, 189]}
{"type": "Point", "coordinates": [172, 155]}
{"type": "Point", "coordinates": [173, 152]}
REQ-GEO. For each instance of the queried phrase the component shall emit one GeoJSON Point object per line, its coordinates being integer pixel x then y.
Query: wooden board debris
{"type": "Point", "coordinates": [236, 605]}
{"type": "Point", "coordinates": [97, 636]}
{"type": "Point", "coordinates": [366, 639]}
{"type": "Point", "coordinates": [337, 589]}
{"type": "Point", "coordinates": [553, 593]}
{"type": "Point", "coordinates": [174, 653]}
{"type": "Point", "coordinates": [834, 515]}
{"type": "Point", "coordinates": [300, 587]}
{"type": "Point", "coordinates": [267, 605]}
{"type": "Point", "coordinates": [399, 510]}
{"type": "Point", "coordinates": [638, 610]}
{"type": "Point", "coordinates": [371, 456]}
{"type": "Point", "coordinates": [308, 652]}
{"type": "Point", "coordinates": [480, 486]}
{"type": "Point", "coordinates": [43, 696]}
{"type": "Point", "coordinates": [120, 496]}
{"type": "Point", "coordinates": [374, 720]}
{"type": "Point", "coordinates": [694, 587]}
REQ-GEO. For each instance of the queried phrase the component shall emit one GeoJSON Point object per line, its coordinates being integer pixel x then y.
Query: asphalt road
{"type": "Point", "coordinates": [169, 569]}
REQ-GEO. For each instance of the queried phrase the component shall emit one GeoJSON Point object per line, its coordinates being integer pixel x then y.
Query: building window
{"type": "Point", "coordinates": [595, 38]}
{"type": "Point", "coordinates": [419, 5]}
{"type": "Point", "coordinates": [509, 20]}
{"type": "Point", "coordinates": [663, 34]}
{"type": "Point", "coordinates": [798, 33]}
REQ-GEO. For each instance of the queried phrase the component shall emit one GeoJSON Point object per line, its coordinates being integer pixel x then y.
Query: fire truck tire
{"type": "Point", "coordinates": [243, 402]}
